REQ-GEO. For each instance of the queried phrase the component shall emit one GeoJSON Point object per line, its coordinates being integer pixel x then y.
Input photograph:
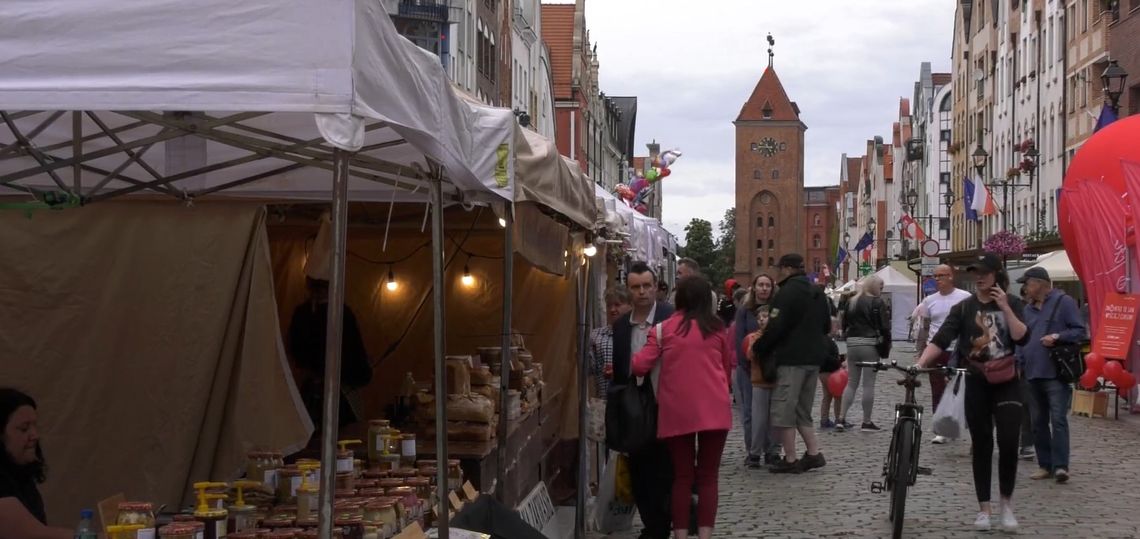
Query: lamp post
{"type": "Point", "coordinates": [1113, 80]}
{"type": "Point", "coordinates": [847, 260]}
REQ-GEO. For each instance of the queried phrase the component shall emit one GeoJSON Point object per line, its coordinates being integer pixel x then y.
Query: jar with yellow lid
{"type": "Point", "coordinates": [288, 479]}
{"type": "Point", "coordinates": [378, 432]}
{"type": "Point", "coordinates": [137, 513]}
{"type": "Point", "coordinates": [307, 496]}
{"type": "Point", "coordinates": [389, 462]}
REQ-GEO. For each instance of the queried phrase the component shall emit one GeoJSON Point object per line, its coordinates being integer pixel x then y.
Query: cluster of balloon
{"type": "Point", "coordinates": [641, 182]}
{"type": "Point", "coordinates": [1096, 367]}
{"type": "Point", "coordinates": [837, 382]}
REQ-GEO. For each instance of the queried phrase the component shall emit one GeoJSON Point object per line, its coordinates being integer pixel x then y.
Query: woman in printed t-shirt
{"type": "Point", "coordinates": [986, 327]}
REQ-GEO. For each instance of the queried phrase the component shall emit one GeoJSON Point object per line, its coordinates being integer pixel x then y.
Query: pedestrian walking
{"type": "Point", "coordinates": [867, 324]}
{"type": "Point", "coordinates": [987, 327]}
{"type": "Point", "coordinates": [1052, 318]}
{"type": "Point", "coordinates": [795, 344]}
{"type": "Point", "coordinates": [754, 401]}
{"type": "Point", "coordinates": [936, 308]}
{"type": "Point", "coordinates": [600, 355]}
{"type": "Point", "coordinates": [694, 416]}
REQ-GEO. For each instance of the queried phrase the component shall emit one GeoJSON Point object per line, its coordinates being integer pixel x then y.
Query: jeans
{"type": "Point", "coordinates": [763, 441]}
{"type": "Point", "coordinates": [1049, 407]}
{"type": "Point", "coordinates": [743, 390]}
{"type": "Point", "coordinates": [857, 376]}
{"type": "Point", "coordinates": [1027, 427]}
{"type": "Point", "coordinates": [696, 460]}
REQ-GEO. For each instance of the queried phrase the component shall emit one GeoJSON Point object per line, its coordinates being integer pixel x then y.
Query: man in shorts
{"type": "Point", "coordinates": [796, 343]}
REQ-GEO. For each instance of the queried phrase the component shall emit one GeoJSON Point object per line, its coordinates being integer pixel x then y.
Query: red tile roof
{"type": "Point", "coordinates": [768, 94]}
{"type": "Point", "coordinates": [558, 33]}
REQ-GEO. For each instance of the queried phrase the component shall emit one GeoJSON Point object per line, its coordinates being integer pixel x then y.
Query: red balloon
{"type": "Point", "coordinates": [665, 172]}
{"type": "Point", "coordinates": [1127, 382]}
{"type": "Point", "coordinates": [1094, 362]}
{"type": "Point", "coordinates": [1088, 380]}
{"type": "Point", "coordinates": [1113, 370]}
{"type": "Point", "coordinates": [1100, 158]}
{"type": "Point", "coordinates": [837, 382]}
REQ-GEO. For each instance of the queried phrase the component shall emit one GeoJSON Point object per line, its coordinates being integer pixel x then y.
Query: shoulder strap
{"type": "Point", "coordinates": [1055, 307]}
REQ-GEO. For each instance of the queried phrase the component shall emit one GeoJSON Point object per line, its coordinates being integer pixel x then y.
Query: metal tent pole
{"type": "Point", "coordinates": [331, 412]}
{"type": "Point", "coordinates": [437, 267]}
{"type": "Point", "coordinates": [505, 365]}
{"type": "Point", "coordinates": [583, 304]}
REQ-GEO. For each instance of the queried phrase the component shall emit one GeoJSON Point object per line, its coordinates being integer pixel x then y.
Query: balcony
{"type": "Point", "coordinates": [424, 10]}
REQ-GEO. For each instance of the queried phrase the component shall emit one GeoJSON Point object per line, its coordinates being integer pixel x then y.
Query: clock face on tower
{"type": "Point", "coordinates": [767, 147]}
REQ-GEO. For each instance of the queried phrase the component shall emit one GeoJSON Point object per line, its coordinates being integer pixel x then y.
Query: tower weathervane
{"type": "Point", "coordinates": [771, 54]}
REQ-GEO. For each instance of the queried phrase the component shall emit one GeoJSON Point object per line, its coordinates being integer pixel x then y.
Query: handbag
{"type": "Point", "coordinates": [882, 342]}
{"type": "Point", "coordinates": [1067, 359]}
{"type": "Point", "coordinates": [998, 370]}
{"type": "Point", "coordinates": [631, 412]}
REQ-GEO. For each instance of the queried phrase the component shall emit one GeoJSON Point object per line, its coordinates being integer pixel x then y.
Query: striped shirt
{"type": "Point", "coordinates": [601, 355]}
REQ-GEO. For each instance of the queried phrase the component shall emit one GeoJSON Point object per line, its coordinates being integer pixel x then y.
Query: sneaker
{"type": "Point", "coordinates": [771, 459]}
{"type": "Point", "coordinates": [1028, 453]}
{"type": "Point", "coordinates": [982, 523]}
{"type": "Point", "coordinates": [842, 425]}
{"type": "Point", "coordinates": [1061, 474]}
{"type": "Point", "coordinates": [869, 427]}
{"type": "Point", "coordinates": [753, 462]}
{"type": "Point", "coordinates": [1008, 521]}
{"type": "Point", "coordinates": [1041, 473]}
{"type": "Point", "coordinates": [939, 440]}
{"type": "Point", "coordinates": [826, 424]}
{"type": "Point", "coordinates": [786, 467]}
{"type": "Point", "coordinates": [811, 462]}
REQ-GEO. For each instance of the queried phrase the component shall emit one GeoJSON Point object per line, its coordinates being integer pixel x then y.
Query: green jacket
{"type": "Point", "coordinates": [798, 326]}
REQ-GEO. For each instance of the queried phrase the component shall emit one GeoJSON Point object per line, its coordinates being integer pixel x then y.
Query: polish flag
{"type": "Point", "coordinates": [911, 229]}
{"type": "Point", "coordinates": [983, 200]}
{"type": "Point", "coordinates": [867, 255]}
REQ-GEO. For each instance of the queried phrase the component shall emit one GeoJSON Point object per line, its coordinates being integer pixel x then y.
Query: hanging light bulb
{"type": "Point", "coordinates": [392, 284]}
{"type": "Point", "coordinates": [502, 222]}
{"type": "Point", "coordinates": [590, 250]}
{"type": "Point", "coordinates": [467, 279]}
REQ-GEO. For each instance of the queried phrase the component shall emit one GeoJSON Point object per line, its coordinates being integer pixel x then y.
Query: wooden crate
{"type": "Point", "coordinates": [1090, 403]}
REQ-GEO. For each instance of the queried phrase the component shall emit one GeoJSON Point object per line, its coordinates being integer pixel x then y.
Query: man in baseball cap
{"type": "Point", "coordinates": [986, 263]}
{"type": "Point", "coordinates": [1034, 273]}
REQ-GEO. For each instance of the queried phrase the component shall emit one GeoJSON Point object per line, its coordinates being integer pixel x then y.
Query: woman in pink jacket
{"type": "Point", "coordinates": [693, 410]}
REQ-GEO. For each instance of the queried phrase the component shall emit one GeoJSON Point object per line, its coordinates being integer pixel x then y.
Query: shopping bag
{"type": "Point", "coordinates": [623, 483]}
{"type": "Point", "coordinates": [950, 417]}
{"type": "Point", "coordinates": [611, 514]}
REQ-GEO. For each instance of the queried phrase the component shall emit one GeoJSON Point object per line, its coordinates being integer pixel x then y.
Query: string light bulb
{"type": "Point", "coordinates": [590, 250]}
{"type": "Point", "coordinates": [467, 279]}
{"type": "Point", "coordinates": [392, 284]}
{"type": "Point", "coordinates": [502, 223]}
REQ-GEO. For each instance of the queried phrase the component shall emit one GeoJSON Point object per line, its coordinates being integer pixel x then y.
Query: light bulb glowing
{"type": "Point", "coordinates": [392, 284]}
{"type": "Point", "coordinates": [502, 222]}
{"type": "Point", "coordinates": [467, 279]}
{"type": "Point", "coordinates": [590, 250]}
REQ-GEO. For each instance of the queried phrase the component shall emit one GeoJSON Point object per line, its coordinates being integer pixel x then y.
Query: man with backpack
{"type": "Point", "coordinates": [1054, 321]}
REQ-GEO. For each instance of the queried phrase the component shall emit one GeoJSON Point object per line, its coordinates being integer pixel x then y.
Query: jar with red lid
{"type": "Point", "coordinates": [345, 481]}
{"type": "Point", "coordinates": [352, 527]}
{"type": "Point", "coordinates": [391, 482]}
{"type": "Point", "coordinates": [247, 534]}
{"type": "Point", "coordinates": [284, 533]}
{"type": "Point", "coordinates": [422, 486]}
{"type": "Point", "coordinates": [367, 483]}
{"type": "Point", "coordinates": [177, 530]}
{"type": "Point", "coordinates": [430, 473]}
{"type": "Point", "coordinates": [140, 513]}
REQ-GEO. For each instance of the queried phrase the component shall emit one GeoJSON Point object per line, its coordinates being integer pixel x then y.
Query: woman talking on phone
{"type": "Point", "coordinates": [987, 326]}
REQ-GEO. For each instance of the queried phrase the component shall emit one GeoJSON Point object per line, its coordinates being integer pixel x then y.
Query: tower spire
{"type": "Point", "coordinates": [771, 53]}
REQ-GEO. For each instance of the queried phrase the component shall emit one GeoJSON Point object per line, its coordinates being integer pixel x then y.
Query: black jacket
{"type": "Point", "coordinates": [869, 317]}
{"type": "Point", "coordinates": [798, 325]}
{"type": "Point", "coordinates": [623, 334]}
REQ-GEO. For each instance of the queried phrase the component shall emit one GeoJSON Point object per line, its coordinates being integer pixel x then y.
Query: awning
{"type": "Point", "coordinates": [545, 177]}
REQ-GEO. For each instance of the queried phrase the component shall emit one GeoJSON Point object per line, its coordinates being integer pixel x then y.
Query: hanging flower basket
{"type": "Point", "coordinates": [1013, 173]}
{"type": "Point", "coordinates": [1005, 243]}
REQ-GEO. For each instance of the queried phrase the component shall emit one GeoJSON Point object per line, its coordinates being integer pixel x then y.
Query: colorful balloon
{"type": "Point", "coordinates": [651, 175]}
{"type": "Point", "coordinates": [837, 382]}
{"type": "Point", "coordinates": [639, 184]}
{"type": "Point", "coordinates": [665, 172]}
{"type": "Point", "coordinates": [624, 191]}
{"type": "Point", "coordinates": [1126, 383]}
{"type": "Point", "coordinates": [1094, 362]}
{"type": "Point", "coordinates": [1088, 380]}
{"type": "Point", "coordinates": [1113, 370]}
{"type": "Point", "coordinates": [642, 208]}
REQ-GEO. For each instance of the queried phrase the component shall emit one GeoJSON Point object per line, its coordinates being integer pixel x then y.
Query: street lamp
{"type": "Point", "coordinates": [912, 198]}
{"type": "Point", "coordinates": [1113, 80]}
{"type": "Point", "coordinates": [981, 157]}
{"type": "Point", "coordinates": [871, 226]}
{"type": "Point", "coordinates": [948, 200]}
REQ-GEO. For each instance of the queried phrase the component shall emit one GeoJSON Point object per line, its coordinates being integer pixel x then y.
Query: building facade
{"type": "Point", "coordinates": [821, 226]}
{"type": "Point", "coordinates": [928, 170]}
{"type": "Point", "coordinates": [769, 178]}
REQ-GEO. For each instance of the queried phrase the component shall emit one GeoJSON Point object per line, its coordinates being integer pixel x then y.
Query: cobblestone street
{"type": "Point", "coordinates": [1099, 500]}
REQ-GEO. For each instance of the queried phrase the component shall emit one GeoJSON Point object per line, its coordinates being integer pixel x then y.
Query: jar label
{"type": "Point", "coordinates": [380, 445]}
{"type": "Point", "coordinates": [344, 465]}
{"type": "Point", "coordinates": [270, 479]}
{"type": "Point", "coordinates": [408, 448]}
{"type": "Point", "coordinates": [220, 529]}
{"type": "Point", "coordinates": [146, 533]}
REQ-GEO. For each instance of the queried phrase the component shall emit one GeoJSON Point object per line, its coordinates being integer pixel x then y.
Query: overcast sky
{"type": "Point", "coordinates": [844, 63]}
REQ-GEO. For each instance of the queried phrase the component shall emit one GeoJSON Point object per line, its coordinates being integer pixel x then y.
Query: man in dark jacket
{"type": "Point", "coordinates": [650, 468]}
{"type": "Point", "coordinates": [795, 342]}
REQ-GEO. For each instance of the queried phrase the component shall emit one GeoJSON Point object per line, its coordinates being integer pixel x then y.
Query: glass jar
{"type": "Point", "coordinates": [407, 497]}
{"type": "Point", "coordinates": [377, 438]}
{"type": "Point", "coordinates": [370, 493]}
{"type": "Point", "coordinates": [405, 473]}
{"type": "Point", "coordinates": [383, 513]}
{"type": "Point", "coordinates": [367, 483]}
{"type": "Point", "coordinates": [429, 472]}
{"type": "Point", "coordinates": [307, 497]}
{"type": "Point", "coordinates": [243, 518]}
{"type": "Point", "coordinates": [177, 530]}
{"type": "Point", "coordinates": [344, 493]}
{"type": "Point", "coordinates": [345, 481]}
{"type": "Point", "coordinates": [141, 513]}
{"type": "Point", "coordinates": [408, 450]}
{"type": "Point", "coordinates": [422, 486]}
{"type": "Point", "coordinates": [285, 533]}
{"type": "Point", "coordinates": [352, 527]}
{"type": "Point", "coordinates": [288, 480]}
{"type": "Point", "coordinates": [454, 475]}
{"type": "Point", "coordinates": [389, 462]}
{"type": "Point", "coordinates": [391, 482]}
{"type": "Point", "coordinates": [248, 534]}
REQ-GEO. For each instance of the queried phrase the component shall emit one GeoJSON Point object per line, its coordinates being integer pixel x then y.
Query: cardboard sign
{"type": "Point", "coordinates": [1114, 333]}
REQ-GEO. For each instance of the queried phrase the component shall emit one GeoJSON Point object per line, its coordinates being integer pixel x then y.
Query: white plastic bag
{"type": "Point", "coordinates": [611, 514]}
{"type": "Point", "coordinates": [950, 417]}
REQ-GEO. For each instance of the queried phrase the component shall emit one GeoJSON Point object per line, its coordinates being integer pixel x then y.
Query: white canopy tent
{"type": "Point", "coordinates": [1058, 265]}
{"type": "Point", "coordinates": [903, 297]}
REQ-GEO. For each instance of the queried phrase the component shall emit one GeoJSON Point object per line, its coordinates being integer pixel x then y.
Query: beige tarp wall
{"type": "Point", "coordinates": [397, 326]}
{"type": "Point", "coordinates": [148, 334]}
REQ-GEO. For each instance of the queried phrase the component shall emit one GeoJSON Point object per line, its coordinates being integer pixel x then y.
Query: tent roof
{"type": "Point", "coordinates": [266, 123]}
{"type": "Point", "coordinates": [1058, 265]}
{"type": "Point", "coordinates": [894, 278]}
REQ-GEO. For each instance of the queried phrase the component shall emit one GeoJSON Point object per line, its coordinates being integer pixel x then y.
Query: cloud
{"type": "Point", "coordinates": [692, 67]}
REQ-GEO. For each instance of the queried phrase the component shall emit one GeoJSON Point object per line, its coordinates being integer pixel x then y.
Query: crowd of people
{"type": "Point", "coordinates": [768, 344]}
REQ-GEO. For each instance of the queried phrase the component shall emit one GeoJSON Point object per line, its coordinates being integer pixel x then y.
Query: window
{"type": "Point", "coordinates": [757, 174]}
{"type": "Point", "coordinates": [816, 220]}
{"type": "Point", "coordinates": [816, 243]}
{"type": "Point", "coordinates": [759, 222]}
{"type": "Point", "coordinates": [767, 112]}
{"type": "Point", "coordinates": [944, 135]}
{"type": "Point", "coordinates": [815, 265]}
{"type": "Point", "coordinates": [1085, 16]}
{"type": "Point", "coordinates": [944, 178]}
{"type": "Point", "coordinates": [771, 244]}
{"type": "Point", "coordinates": [759, 244]}
{"type": "Point", "coordinates": [759, 262]}
{"type": "Point", "coordinates": [775, 174]}
{"type": "Point", "coordinates": [771, 221]}
{"type": "Point", "coordinates": [772, 261]}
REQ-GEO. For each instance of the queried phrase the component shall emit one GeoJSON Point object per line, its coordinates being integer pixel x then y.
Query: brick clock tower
{"type": "Point", "coordinates": [769, 178]}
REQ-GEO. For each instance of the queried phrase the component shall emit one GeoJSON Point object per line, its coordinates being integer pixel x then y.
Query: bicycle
{"type": "Point", "coordinates": [900, 468]}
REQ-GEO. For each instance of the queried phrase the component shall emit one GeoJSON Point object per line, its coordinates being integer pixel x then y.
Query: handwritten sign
{"type": "Point", "coordinates": [1114, 333]}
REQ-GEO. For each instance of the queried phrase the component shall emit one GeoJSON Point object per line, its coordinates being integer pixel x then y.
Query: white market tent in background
{"type": "Point", "coordinates": [903, 298]}
{"type": "Point", "coordinates": [1058, 265]}
{"type": "Point", "coordinates": [267, 100]}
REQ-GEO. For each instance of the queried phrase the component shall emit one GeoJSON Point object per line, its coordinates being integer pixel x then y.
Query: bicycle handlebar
{"type": "Point", "coordinates": [911, 370]}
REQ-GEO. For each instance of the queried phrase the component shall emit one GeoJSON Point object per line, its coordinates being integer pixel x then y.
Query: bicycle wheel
{"type": "Point", "coordinates": [904, 444]}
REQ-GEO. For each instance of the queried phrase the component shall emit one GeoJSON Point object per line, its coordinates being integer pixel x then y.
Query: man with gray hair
{"type": "Point", "coordinates": [936, 308]}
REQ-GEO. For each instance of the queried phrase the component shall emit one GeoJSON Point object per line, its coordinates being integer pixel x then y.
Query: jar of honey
{"type": "Point", "coordinates": [379, 431]}
{"type": "Point", "coordinates": [140, 513]}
